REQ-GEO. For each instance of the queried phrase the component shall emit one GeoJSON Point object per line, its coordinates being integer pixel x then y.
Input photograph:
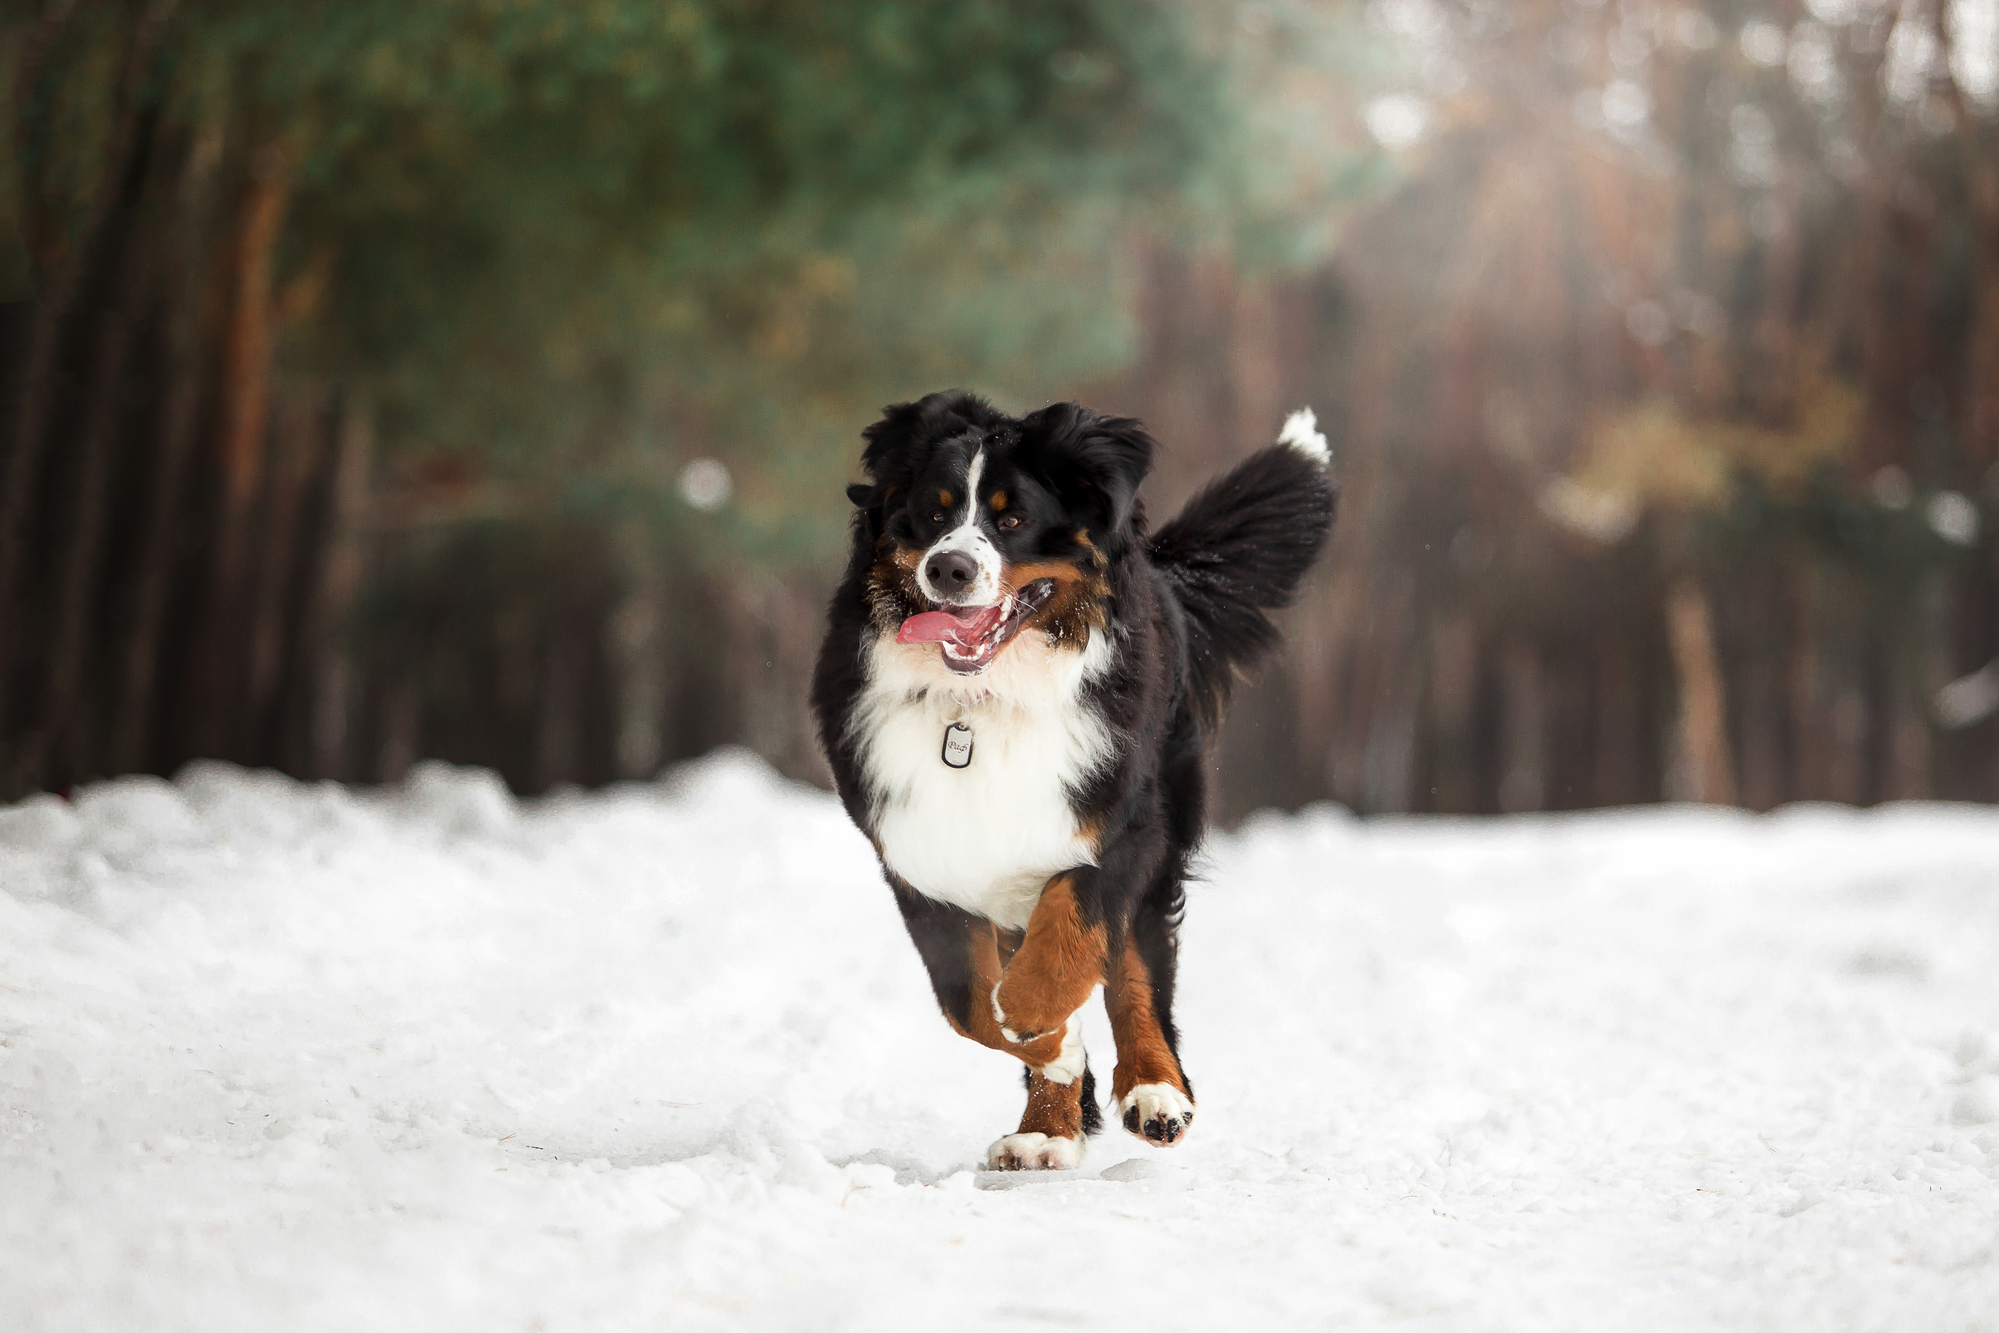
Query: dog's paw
{"type": "Point", "coordinates": [1056, 1052]}
{"type": "Point", "coordinates": [1014, 1030]}
{"type": "Point", "coordinates": [1027, 1031]}
{"type": "Point", "coordinates": [1027, 1020]}
{"type": "Point", "coordinates": [1034, 1152]}
{"type": "Point", "coordinates": [1157, 1112]}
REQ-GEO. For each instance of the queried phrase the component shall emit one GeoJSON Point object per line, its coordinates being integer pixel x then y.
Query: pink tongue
{"type": "Point", "coordinates": [945, 627]}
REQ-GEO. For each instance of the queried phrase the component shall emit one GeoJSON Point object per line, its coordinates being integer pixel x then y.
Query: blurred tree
{"type": "Point", "coordinates": [476, 378]}
{"type": "Point", "coordinates": [1664, 379]}
{"type": "Point", "coordinates": [362, 343]}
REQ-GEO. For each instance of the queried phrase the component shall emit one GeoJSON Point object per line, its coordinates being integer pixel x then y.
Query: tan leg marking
{"type": "Point", "coordinates": [1054, 1109]}
{"type": "Point", "coordinates": [984, 948]}
{"type": "Point", "coordinates": [1009, 944]}
{"type": "Point", "coordinates": [1058, 964]}
{"type": "Point", "coordinates": [1142, 1053]}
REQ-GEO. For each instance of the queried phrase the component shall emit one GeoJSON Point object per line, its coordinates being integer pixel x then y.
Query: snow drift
{"type": "Point", "coordinates": [275, 1055]}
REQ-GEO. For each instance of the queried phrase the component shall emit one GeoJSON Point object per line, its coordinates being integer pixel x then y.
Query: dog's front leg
{"type": "Point", "coordinates": [962, 954]}
{"type": "Point", "coordinates": [1057, 965]}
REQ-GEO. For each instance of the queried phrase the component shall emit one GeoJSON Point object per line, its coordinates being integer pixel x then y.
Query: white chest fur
{"type": "Point", "coordinates": [987, 836]}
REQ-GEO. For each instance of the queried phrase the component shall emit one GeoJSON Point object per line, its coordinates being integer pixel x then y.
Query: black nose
{"type": "Point", "coordinates": [951, 571]}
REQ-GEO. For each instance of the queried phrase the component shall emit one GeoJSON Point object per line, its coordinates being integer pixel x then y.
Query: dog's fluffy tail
{"type": "Point", "coordinates": [1240, 548]}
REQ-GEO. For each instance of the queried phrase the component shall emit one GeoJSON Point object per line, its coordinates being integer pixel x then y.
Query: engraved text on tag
{"type": "Point", "coordinates": [958, 745]}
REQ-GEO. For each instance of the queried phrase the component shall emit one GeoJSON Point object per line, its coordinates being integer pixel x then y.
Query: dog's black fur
{"type": "Point", "coordinates": [1183, 610]}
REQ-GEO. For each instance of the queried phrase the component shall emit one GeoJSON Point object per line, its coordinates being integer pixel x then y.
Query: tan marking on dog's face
{"type": "Point", "coordinates": [1143, 1055]}
{"type": "Point", "coordinates": [1077, 606]}
{"type": "Point", "coordinates": [998, 502]}
{"type": "Point", "coordinates": [1019, 576]}
{"type": "Point", "coordinates": [944, 498]}
{"type": "Point", "coordinates": [892, 582]}
{"type": "Point", "coordinates": [1059, 963]}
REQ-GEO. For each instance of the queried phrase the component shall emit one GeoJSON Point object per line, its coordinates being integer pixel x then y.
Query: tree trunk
{"type": "Point", "coordinates": [332, 673]}
{"type": "Point", "coordinates": [27, 79]}
{"type": "Point", "coordinates": [1702, 764]}
{"type": "Point", "coordinates": [243, 399]}
{"type": "Point", "coordinates": [281, 540]}
{"type": "Point", "coordinates": [62, 738]}
{"type": "Point", "coordinates": [183, 370]}
{"type": "Point", "coordinates": [55, 312]}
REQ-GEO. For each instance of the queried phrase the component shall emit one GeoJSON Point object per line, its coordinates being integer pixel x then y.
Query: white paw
{"type": "Point", "coordinates": [1157, 1112]}
{"type": "Point", "coordinates": [1034, 1152]}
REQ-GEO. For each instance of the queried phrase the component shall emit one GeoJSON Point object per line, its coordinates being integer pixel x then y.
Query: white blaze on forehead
{"type": "Point", "coordinates": [971, 539]}
{"type": "Point", "coordinates": [972, 486]}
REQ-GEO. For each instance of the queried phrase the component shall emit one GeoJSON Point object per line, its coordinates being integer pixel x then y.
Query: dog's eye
{"type": "Point", "coordinates": [937, 517]}
{"type": "Point", "coordinates": [1010, 522]}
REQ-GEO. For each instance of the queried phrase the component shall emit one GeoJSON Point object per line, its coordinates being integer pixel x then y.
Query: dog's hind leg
{"type": "Point", "coordinates": [1149, 1090]}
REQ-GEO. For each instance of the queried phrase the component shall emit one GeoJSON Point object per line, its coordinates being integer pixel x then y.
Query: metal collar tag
{"type": "Point", "coordinates": [957, 746]}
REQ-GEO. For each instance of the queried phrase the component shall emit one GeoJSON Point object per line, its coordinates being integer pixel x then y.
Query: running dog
{"type": "Point", "coordinates": [1013, 694]}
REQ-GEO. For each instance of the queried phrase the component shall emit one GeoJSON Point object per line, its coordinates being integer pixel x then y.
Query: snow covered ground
{"type": "Point", "coordinates": [285, 1057]}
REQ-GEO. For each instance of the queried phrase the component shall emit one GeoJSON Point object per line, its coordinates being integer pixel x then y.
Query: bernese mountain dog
{"type": "Point", "coordinates": [1013, 694]}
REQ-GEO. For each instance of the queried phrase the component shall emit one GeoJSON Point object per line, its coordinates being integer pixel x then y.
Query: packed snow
{"type": "Point", "coordinates": [278, 1056]}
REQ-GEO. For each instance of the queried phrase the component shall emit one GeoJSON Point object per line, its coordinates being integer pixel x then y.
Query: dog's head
{"type": "Point", "coordinates": [984, 525]}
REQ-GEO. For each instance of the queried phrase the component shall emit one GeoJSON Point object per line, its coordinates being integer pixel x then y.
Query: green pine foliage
{"type": "Point", "coordinates": [540, 255]}
{"type": "Point", "coordinates": [604, 237]}
{"type": "Point", "coordinates": [547, 236]}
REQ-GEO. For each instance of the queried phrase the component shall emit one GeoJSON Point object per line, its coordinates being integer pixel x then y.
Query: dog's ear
{"type": "Point", "coordinates": [892, 441]}
{"type": "Point", "coordinates": [1098, 462]}
{"type": "Point", "coordinates": [900, 443]}
{"type": "Point", "coordinates": [870, 508]}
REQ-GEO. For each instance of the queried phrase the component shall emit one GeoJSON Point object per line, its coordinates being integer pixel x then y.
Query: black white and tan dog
{"type": "Point", "coordinates": [1013, 693]}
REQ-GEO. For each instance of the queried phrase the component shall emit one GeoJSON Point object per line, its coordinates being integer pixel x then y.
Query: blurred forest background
{"type": "Point", "coordinates": [477, 379]}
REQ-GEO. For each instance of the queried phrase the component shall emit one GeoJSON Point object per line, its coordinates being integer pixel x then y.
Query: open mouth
{"type": "Point", "coordinates": [973, 635]}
